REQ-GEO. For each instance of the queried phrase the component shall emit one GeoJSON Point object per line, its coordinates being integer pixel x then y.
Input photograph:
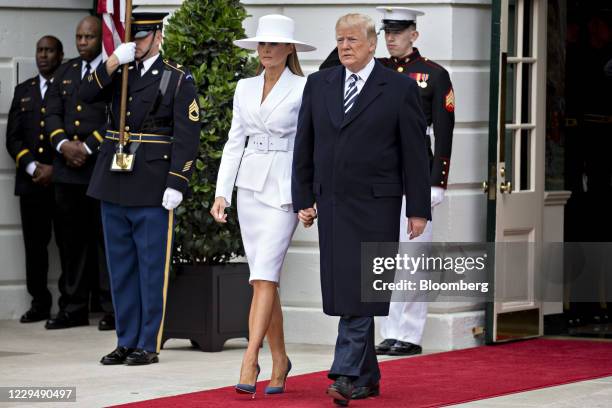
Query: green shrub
{"type": "Point", "coordinates": [199, 36]}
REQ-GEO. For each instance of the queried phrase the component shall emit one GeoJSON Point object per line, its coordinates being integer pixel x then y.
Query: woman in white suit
{"type": "Point", "coordinates": [264, 120]}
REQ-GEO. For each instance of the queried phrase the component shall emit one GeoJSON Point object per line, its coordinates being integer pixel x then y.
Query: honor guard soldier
{"type": "Point", "coordinates": [402, 330]}
{"type": "Point", "coordinates": [28, 144]}
{"type": "Point", "coordinates": [141, 179]}
{"type": "Point", "coordinates": [74, 131]}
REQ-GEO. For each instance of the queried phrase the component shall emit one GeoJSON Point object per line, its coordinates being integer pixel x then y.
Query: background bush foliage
{"type": "Point", "coordinates": [199, 36]}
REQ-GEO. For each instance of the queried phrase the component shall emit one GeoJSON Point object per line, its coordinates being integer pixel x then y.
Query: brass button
{"type": "Point", "coordinates": [165, 156]}
{"type": "Point", "coordinates": [77, 123]}
{"type": "Point", "coordinates": [64, 93]}
{"type": "Point", "coordinates": [400, 69]}
{"type": "Point", "coordinates": [443, 172]}
{"type": "Point", "coordinates": [79, 108]}
{"type": "Point", "coordinates": [41, 136]}
{"type": "Point", "coordinates": [130, 99]}
{"type": "Point", "coordinates": [444, 163]}
{"type": "Point", "coordinates": [42, 123]}
{"type": "Point", "coordinates": [127, 128]}
{"type": "Point", "coordinates": [40, 150]}
{"type": "Point", "coordinates": [128, 113]}
{"type": "Point", "coordinates": [441, 182]}
{"type": "Point", "coordinates": [43, 110]}
{"type": "Point", "coordinates": [75, 137]}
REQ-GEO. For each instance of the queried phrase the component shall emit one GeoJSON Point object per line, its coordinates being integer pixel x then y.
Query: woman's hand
{"type": "Point", "coordinates": [218, 210]}
{"type": "Point", "coordinates": [307, 216]}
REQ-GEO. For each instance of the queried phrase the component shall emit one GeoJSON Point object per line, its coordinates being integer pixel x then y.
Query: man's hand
{"type": "Point", "coordinates": [74, 152]}
{"type": "Point", "coordinates": [43, 174]}
{"type": "Point", "coordinates": [123, 54]}
{"type": "Point", "coordinates": [218, 210]}
{"type": "Point", "coordinates": [416, 226]}
{"type": "Point", "coordinates": [172, 198]}
{"type": "Point", "coordinates": [307, 216]}
{"type": "Point", "coordinates": [437, 195]}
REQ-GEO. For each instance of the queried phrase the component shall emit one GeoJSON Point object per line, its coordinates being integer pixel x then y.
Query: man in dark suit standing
{"type": "Point", "coordinates": [29, 146]}
{"type": "Point", "coordinates": [75, 129]}
{"type": "Point", "coordinates": [360, 145]}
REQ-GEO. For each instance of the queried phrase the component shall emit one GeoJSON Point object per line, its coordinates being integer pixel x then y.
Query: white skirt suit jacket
{"type": "Point", "coordinates": [262, 169]}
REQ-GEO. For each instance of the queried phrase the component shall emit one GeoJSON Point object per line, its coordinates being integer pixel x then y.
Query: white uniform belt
{"type": "Point", "coordinates": [266, 143]}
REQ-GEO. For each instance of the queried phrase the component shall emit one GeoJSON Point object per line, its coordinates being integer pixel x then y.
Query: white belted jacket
{"type": "Point", "coordinates": [264, 166]}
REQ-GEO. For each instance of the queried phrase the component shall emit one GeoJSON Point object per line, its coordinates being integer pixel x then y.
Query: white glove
{"type": "Point", "coordinates": [172, 199]}
{"type": "Point", "coordinates": [437, 195]}
{"type": "Point", "coordinates": [125, 53]}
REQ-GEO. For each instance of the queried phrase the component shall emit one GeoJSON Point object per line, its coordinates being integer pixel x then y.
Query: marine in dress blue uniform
{"type": "Point", "coordinates": [162, 128]}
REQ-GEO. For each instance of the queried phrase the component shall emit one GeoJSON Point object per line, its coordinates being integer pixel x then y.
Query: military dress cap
{"type": "Point", "coordinates": [398, 18]}
{"type": "Point", "coordinates": [144, 23]}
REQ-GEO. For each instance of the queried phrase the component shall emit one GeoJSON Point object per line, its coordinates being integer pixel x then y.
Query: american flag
{"type": "Point", "coordinates": [113, 24]}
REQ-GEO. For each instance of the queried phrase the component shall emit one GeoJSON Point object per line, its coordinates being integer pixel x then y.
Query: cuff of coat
{"type": "Point", "coordinates": [57, 136]}
{"type": "Point", "coordinates": [302, 200]}
{"type": "Point", "coordinates": [94, 140]}
{"type": "Point", "coordinates": [177, 181]}
{"type": "Point", "coordinates": [227, 195]}
{"type": "Point", "coordinates": [24, 158]}
{"type": "Point", "coordinates": [439, 171]}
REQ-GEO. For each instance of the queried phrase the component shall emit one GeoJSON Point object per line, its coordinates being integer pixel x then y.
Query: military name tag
{"type": "Point", "coordinates": [123, 162]}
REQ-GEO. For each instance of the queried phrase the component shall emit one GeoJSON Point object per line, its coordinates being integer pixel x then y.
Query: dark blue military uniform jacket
{"type": "Point", "coordinates": [163, 128]}
{"type": "Point", "coordinates": [26, 139]}
{"type": "Point", "coordinates": [70, 118]}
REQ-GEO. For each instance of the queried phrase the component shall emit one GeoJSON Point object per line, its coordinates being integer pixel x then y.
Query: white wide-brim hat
{"type": "Point", "coordinates": [274, 28]}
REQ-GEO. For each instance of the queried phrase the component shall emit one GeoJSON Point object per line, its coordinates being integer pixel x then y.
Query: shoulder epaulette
{"type": "Point", "coordinates": [432, 63]}
{"type": "Point", "coordinates": [174, 66]}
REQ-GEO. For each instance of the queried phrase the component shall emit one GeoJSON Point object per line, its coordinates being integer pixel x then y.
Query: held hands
{"type": "Point", "coordinates": [437, 195]}
{"type": "Point", "coordinates": [172, 199]}
{"type": "Point", "coordinates": [74, 153]}
{"type": "Point", "coordinates": [43, 174]}
{"type": "Point", "coordinates": [218, 210]}
{"type": "Point", "coordinates": [307, 216]}
{"type": "Point", "coordinates": [125, 53]}
{"type": "Point", "coordinates": [416, 226]}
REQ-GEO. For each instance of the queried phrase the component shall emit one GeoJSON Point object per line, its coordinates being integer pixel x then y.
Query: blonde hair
{"type": "Point", "coordinates": [292, 62]}
{"type": "Point", "coordinates": [359, 20]}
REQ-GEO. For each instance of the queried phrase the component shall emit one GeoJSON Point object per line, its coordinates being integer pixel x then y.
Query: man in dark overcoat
{"type": "Point", "coordinates": [360, 146]}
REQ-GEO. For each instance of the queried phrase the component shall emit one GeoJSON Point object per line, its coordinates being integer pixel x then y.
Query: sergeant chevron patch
{"type": "Point", "coordinates": [187, 166]}
{"type": "Point", "coordinates": [194, 111]}
{"type": "Point", "coordinates": [449, 101]}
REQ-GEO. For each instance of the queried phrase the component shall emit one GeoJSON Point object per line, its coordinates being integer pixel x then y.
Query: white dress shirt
{"type": "Point", "coordinates": [363, 76]}
{"type": "Point", "coordinates": [93, 63]}
{"type": "Point", "coordinates": [147, 64]}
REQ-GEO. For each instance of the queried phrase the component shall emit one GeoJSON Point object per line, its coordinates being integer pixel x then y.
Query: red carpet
{"type": "Point", "coordinates": [433, 380]}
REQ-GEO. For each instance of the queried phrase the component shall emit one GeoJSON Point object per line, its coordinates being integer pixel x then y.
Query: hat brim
{"type": "Point", "coordinates": [253, 42]}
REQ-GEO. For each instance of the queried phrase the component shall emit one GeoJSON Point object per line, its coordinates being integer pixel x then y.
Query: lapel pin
{"type": "Point", "coordinates": [155, 72]}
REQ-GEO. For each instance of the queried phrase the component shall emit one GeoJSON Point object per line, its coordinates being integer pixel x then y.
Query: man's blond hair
{"type": "Point", "coordinates": [359, 20]}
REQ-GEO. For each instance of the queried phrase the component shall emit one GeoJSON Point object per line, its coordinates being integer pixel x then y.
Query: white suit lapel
{"type": "Point", "coordinates": [278, 93]}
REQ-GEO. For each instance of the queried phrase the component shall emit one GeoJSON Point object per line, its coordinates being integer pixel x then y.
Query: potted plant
{"type": "Point", "coordinates": [208, 294]}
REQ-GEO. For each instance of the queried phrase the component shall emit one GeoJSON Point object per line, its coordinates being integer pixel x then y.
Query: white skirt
{"type": "Point", "coordinates": [266, 234]}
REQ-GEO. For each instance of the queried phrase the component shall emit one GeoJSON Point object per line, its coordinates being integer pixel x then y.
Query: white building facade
{"type": "Point", "coordinates": [454, 33]}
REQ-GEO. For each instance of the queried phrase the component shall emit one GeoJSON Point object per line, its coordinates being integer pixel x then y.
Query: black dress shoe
{"type": "Point", "coordinates": [404, 348]}
{"type": "Point", "coordinates": [34, 315]}
{"type": "Point", "coordinates": [341, 390]}
{"type": "Point", "coordinates": [107, 322]}
{"type": "Point", "coordinates": [385, 346]}
{"type": "Point", "coordinates": [117, 356]}
{"type": "Point", "coordinates": [365, 392]}
{"type": "Point", "coordinates": [65, 320]}
{"type": "Point", "coordinates": [141, 357]}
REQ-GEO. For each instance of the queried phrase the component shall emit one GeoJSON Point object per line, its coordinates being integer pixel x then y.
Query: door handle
{"type": "Point", "coordinates": [506, 188]}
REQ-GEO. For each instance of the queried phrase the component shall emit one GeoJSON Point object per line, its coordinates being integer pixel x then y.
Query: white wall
{"type": "Point", "coordinates": [22, 23]}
